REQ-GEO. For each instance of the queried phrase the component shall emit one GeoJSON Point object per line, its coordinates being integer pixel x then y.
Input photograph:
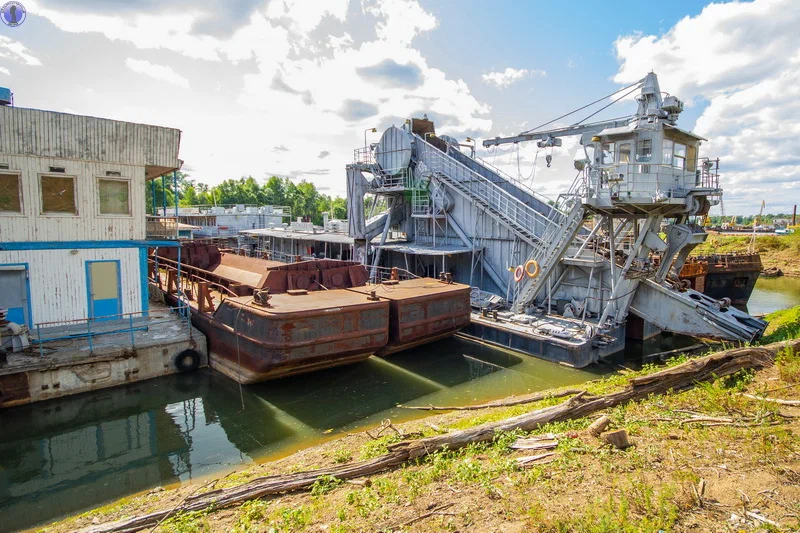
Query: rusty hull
{"type": "Point", "coordinates": [296, 334]}
{"type": "Point", "coordinates": [422, 310]}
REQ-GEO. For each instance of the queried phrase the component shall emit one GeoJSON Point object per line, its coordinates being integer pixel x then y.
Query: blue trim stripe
{"type": "Point", "coordinates": [83, 245]}
{"type": "Point", "coordinates": [143, 281]}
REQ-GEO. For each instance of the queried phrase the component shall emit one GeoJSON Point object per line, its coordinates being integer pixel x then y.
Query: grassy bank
{"type": "Point", "coordinates": [681, 474]}
{"type": "Point", "coordinates": [779, 251]}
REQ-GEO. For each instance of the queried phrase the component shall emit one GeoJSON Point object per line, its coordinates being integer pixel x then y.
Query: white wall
{"type": "Point", "coordinates": [58, 280]}
{"type": "Point", "coordinates": [88, 224]}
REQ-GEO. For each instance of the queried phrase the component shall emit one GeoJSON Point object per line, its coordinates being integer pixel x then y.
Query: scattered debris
{"type": "Point", "coordinates": [618, 438]}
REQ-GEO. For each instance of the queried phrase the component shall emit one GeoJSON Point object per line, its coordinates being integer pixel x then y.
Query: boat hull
{"type": "Point", "coordinates": [251, 344]}
{"type": "Point", "coordinates": [422, 310]}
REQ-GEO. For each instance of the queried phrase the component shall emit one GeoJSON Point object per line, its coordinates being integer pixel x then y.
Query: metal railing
{"type": "Point", "coordinates": [658, 181]}
{"type": "Point", "coordinates": [89, 328]}
{"type": "Point", "coordinates": [515, 182]}
{"type": "Point", "coordinates": [161, 227]}
{"type": "Point", "coordinates": [529, 224]}
{"type": "Point", "coordinates": [380, 274]}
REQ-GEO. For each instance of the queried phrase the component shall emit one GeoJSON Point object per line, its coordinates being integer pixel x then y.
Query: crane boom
{"type": "Point", "coordinates": [576, 129]}
{"type": "Point", "coordinates": [651, 106]}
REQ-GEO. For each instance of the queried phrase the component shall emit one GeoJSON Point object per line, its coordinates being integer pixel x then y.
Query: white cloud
{"type": "Point", "coordinates": [510, 75]}
{"type": "Point", "coordinates": [741, 61]}
{"type": "Point", "coordinates": [5, 71]}
{"type": "Point", "coordinates": [159, 72]}
{"type": "Point", "coordinates": [284, 82]}
{"type": "Point", "coordinates": [16, 51]}
{"type": "Point", "coordinates": [400, 20]}
{"type": "Point", "coordinates": [304, 15]}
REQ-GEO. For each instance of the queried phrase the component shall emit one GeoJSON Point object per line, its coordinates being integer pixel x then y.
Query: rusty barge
{"type": "Point", "coordinates": [731, 276]}
{"type": "Point", "coordinates": [265, 320]}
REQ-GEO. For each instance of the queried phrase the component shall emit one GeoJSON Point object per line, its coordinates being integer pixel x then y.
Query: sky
{"type": "Point", "coordinates": [283, 87]}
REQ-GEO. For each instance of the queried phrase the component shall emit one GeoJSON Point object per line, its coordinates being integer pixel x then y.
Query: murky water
{"type": "Point", "coordinates": [772, 294]}
{"type": "Point", "coordinates": [68, 455]}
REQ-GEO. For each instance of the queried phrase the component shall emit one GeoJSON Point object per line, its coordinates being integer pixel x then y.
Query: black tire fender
{"type": "Point", "coordinates": [187, 361]}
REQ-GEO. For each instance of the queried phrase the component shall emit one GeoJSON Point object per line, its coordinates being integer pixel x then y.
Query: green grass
{"type": "Point", "coordinates": [637, 508]}
{"type": "Point", "coordinates": [739, 243]}
{"type": "Point", "coordinates": [788, 363]}
{"type": "Point", "coordinates": [783, 325]}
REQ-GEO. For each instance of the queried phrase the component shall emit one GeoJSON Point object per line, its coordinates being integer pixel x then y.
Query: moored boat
{"type": "Point", "coordinates": [264, 320]}
{"type": "Point", "coordinates": [718, 276]}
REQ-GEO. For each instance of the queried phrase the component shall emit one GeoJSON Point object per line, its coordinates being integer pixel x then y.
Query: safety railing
{"type": "Point", "coordinates": [161, 227]}
{"type": "Point", "coordinates": [515, 182]}
{"type": "Point", "coordinates": [524, 220]}
{"type": "Point", "coordinates": [657, 181]}
{"type": "Point", "coordinates": [380, 274]}
{"type": "Point", "coordinates": [420, 203]}
{"type": "Point", "coordinates": [117, 324]}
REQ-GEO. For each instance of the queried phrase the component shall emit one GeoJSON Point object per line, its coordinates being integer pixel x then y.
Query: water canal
{"type": "Point", "coordinates": [66, 456]}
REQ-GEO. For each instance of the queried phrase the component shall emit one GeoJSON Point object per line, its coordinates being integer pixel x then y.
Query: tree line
{"type": "Point", "coordinates": [739, 220]}
{"type": "Point", "coordinates": [303, 196]}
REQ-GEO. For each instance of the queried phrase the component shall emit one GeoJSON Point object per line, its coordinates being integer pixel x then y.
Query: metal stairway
{"type": "Point", "coordinates": [549, 236]}
{"type": "Point", "coordinates": [524, 221]}
{"type": "Point", "coordinates": [560, 238]}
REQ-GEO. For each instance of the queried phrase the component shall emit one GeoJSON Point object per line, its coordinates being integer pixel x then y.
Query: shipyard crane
{"type": "Point", "coordinates": [651, 106]}
{"type": "Point", "coordinates": [637, 188]}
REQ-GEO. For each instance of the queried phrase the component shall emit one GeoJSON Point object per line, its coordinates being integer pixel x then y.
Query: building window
{"type": "Point", "coordinates": [679, 156]}
{"type": "Point", "coordinates": [666, 152]}
{"type": "Point", "coordinates": [644, 150]}
{"type": "Point", "coordinates": [114, 196]}
{"type": "Point", "coordinates": [624, 153]}
{"type": "Point", "coordinates": [58, 195]}
{"type": "Point", "coordinates": [608, 153]}
{"type": "Point", "coordinates": [10, 194]}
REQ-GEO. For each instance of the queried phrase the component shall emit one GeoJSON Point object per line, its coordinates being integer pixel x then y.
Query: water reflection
{"type": "Point", "coordinates": [68, 455]}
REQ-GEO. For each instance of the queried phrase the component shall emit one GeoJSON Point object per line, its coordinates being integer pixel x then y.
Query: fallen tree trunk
{"type": "Point", "coordinates": [679, 377]}
{"type": "Point", "coordinates": [503, 403]}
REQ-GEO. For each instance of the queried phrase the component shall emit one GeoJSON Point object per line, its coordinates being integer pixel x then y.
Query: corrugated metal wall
{"type": "Point", "coordinates": [58, 280]}
{"type": "Point", "coordinates": [51, 134]}
{"type": "Point", "coordinates": [88, 224]}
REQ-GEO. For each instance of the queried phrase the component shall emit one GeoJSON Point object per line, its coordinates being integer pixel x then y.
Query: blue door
{"type": "Point", "coordinates": [15, 293]}
{"type": "Point", "coordinates": [103, 282]}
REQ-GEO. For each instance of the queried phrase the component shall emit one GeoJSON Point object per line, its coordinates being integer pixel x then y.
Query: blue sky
{"type": "Point", "coordinates": [288, 87]}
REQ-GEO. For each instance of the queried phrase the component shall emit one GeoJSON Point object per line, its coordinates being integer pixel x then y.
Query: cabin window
{"type": "Point", "coordinates": [58, 195]}
{"type": "Point", "coordinates": [644, 150]}
{"type": "Point", "coordinates": [691, 158]}
{"type": "Point", "coordinates": [679, 156]}
{"type": "Point", "coordinates": [666, 152]}
{"type": "Point", "coordinates": [114, 196]}
{"type": "Point", "coordinates": [10, 194]}
{"type": "Point", "coordinates": [608, 153]}
{"type": "Point", "coordinates": [624, 153]}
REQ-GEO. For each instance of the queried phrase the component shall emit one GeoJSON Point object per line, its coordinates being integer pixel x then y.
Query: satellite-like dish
{"type": "Point", "coordinates": [393, 153]}
{"type": "Point", "coordinates": [449, 140]}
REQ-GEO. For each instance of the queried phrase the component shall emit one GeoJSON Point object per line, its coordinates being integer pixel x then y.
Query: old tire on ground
{"type": "Point", "coordinates": [187, 361]}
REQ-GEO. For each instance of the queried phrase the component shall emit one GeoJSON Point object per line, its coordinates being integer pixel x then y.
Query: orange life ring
{"type": "Point", "coordinates": [519, 272]}
{"type": "Point", "coordinates": [528, 268]}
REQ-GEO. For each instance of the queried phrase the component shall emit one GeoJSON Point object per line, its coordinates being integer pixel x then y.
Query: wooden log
{"type": "Point", "coordinates": [618, 438]}
{"type": "Point", "coordinates": [772, 400]}
{"type": "Point", "coordinates": [504, 403]}
{"type": "Point", "coordinates": [599, 426]}
{"type": "Point", "coordinates": [680, 377]}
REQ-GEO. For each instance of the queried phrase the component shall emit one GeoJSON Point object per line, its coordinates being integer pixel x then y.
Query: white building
{"type": "Point", "coordinates": [72, 213]}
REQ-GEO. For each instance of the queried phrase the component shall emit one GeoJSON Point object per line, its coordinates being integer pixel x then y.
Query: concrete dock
{"type": "Point", "coordinates": [72, 359]}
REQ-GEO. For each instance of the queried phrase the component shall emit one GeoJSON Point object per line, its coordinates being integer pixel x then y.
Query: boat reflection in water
{"type": "Point", "coordinates": [69, 455]}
